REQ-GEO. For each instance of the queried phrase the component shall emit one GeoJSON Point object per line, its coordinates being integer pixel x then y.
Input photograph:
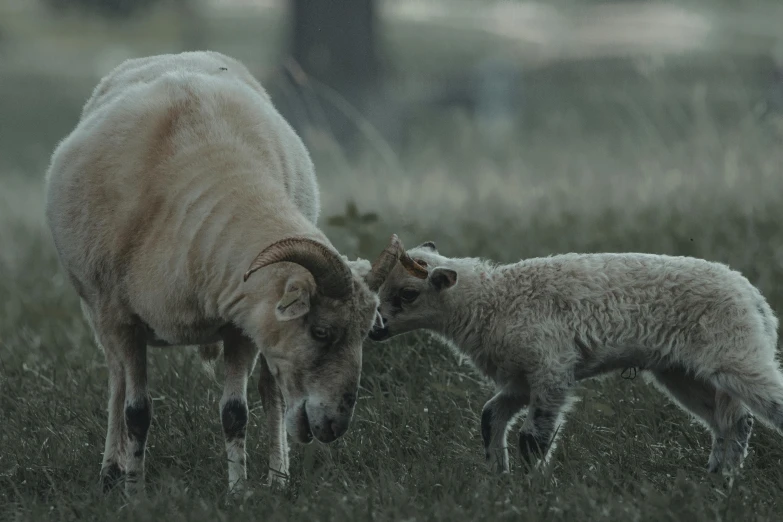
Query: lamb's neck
{"type": "Point", "coordinates": [466, 307]}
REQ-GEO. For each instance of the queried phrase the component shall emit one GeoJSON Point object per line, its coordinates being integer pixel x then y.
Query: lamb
{"type": "Point", "coordinates": [699, 330]}
{"type": "Point", "coordinates": [178, 173]}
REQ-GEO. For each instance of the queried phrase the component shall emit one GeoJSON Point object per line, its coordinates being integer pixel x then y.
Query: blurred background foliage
{"type": "Point", "coordinates": [498, 128]}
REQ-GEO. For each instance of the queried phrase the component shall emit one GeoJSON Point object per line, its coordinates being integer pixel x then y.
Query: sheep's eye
{"type": "Point", "coordinates": [319, 333]}
{"type": "Point", "coordinates": [409, 294]}
{"type": "Point", "coordinates": [421, 262]}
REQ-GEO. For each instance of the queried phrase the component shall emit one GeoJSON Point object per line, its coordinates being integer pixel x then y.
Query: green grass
{"type": "Point", "coordinates": [663, 166]}
{"type": "Point", "coordinates": [414, 450]}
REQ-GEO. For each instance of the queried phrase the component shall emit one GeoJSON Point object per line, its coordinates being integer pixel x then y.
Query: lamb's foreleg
{"type": "Point", "coordinates": [239, 354]}
{"type": "Point", "coordinates": [496, 419]}
{"type": "Point", "coordinates": [537, 436]}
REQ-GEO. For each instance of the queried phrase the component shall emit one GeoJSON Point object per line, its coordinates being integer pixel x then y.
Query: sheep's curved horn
{"type": "Point", "coordinates": [332, 275]}
{"type": "Point", "coordinates": [384, 264]}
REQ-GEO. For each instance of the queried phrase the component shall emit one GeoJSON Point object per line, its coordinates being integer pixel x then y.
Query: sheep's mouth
{"type": "Point", "coordinates": [378, 334]}
{"type": "Point", "coordinates": [301, 424]}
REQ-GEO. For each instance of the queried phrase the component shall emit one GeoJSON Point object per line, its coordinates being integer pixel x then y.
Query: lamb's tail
{"type": "Point", "coordinates": [760, 388]}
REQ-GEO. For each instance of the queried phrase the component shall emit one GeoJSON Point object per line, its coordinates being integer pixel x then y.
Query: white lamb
{"type": "Point", "coordinates": [703, 333]}
{"type": "Point", "coordinates": [179, 172]}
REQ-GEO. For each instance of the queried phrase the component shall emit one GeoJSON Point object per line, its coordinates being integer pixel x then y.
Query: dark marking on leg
{"type": "Point", "coordinates": [234, 418]}
{"type": "Point", "coordinates": [138, 417]}
{"type": "Point", "coordinates": [486, 427]}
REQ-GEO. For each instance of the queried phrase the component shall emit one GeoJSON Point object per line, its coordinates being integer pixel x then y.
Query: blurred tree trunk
{"type": "Point", "coordinates": [335, 43]}
{"type": "Point", "coordinates": [192, 26]}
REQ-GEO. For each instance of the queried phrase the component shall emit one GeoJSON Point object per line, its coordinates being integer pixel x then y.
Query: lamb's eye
{"type": "Point", "coordinates": [319, 333]}
{"type": "Point", "coordinates": [409, 294]}
{"type": "Point", "coordinates": [421, 262]}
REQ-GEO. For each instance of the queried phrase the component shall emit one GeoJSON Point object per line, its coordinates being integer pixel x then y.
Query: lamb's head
{"type": "Point", "coordinates": [319, 323]}
{"type": "Point", "coordinates": [412, 293]}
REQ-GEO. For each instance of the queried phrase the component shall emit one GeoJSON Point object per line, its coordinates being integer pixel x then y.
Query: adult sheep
{"type": "Point", "coordinates": [179, 172]}
{"type": "Point", "coordinates": [702, 331]}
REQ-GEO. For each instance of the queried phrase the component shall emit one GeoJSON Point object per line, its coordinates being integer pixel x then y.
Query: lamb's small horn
{"type": "Point", "coordinates": [384, 264]}
{"type": "Point", "coordinates": [413, 268]}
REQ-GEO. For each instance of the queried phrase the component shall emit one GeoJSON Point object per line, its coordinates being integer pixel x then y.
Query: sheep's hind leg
{"type": "Point", "coordinates": [544, 419]}
{"type": "Point", "coordinates": [239, 354]}
{"type": "Point", "coordinates": [113, 465]}
{"type": "Point", "coordinates": [126, 355]}
{"type": "Point", "coordinates": [272, 400]}
{"type": "Point", "coordinates": [496, 419]}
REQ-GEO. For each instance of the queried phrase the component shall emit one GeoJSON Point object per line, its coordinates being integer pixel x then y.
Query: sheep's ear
{"type": "Point", "coordinates": [295, 301]}
{"type": "Point", "coordinates": [442, 278]}
{"type": "Point", "coordinates": [429, 245]}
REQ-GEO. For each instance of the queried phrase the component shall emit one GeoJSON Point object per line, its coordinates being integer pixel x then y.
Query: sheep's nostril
{"type": "Point", "coordinates": [349, 399]}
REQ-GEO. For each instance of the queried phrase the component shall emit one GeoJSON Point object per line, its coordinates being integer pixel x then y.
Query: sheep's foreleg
{"type": "Point", "coordinates": [272, 400]}
{"type": "Point", "coordinates": [240, 355]}
{"type": "Point", "coordinates": [496, 419]}
{"type": "Point", "coordinates": [138, 411]}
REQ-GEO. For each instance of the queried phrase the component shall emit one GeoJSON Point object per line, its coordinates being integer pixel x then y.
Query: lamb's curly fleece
{"type": "Point", "coordinates": [700, 330]}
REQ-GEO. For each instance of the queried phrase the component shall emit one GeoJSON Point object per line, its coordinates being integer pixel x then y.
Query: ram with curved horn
{"type": "Point", "coordinates": [179, 172]}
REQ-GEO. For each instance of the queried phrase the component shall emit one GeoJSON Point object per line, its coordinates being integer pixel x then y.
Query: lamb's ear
{"type": "Point", "coordinates": [442, 278]}
{"type": "Point", "coordinates": [429, 245]}
{"type": "Point", "coordinates": [295, 301]}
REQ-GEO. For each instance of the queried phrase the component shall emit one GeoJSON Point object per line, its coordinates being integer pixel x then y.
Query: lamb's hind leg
{"type": "Point", "coordinates": [759, 385]}
{"type": "Point", "coordinates": [272, 400]}
{"type": "Point", "coordinates": [496, 419]}
{"type": "Point", "coordinates": [727, 418]}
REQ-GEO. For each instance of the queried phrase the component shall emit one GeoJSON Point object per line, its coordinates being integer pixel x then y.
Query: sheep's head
{"type": "Point", "coordinates": [411, 294]}
{"type": "Point", "coordinates": [319, 323]}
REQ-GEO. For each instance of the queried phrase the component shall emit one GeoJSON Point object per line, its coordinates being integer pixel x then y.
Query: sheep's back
{"type": "Point", "coordinates": [173, 158]}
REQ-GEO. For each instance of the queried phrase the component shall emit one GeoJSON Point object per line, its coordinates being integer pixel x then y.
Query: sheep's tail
{"type": "Point", "coordinates": [209, 354]}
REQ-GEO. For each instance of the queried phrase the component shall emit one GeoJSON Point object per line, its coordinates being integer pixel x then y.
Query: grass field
{"type": "Point", "coordinates": [713, 189]}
